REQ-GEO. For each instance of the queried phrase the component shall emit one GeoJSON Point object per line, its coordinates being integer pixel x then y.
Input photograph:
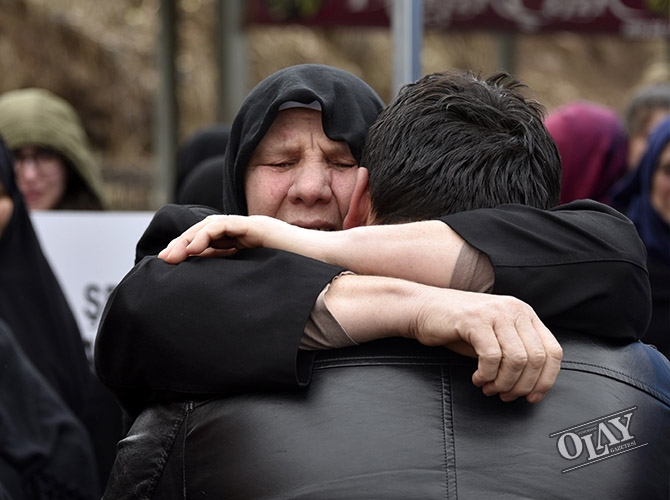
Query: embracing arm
{"type": "Point", "coordinates": [517, 354]}
{"type": "Point", "coordinates": [425, 252]}
{"type": "Point", "coordinates": [581, 266]}
{"type": "Point", "coordinates": [219, 326]}
{"type": "Point", "coordinates": [568, 264]}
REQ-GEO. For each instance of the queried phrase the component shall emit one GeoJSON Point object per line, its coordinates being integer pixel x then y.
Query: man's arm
{"type": "Point", "coordinates": [518, 356]}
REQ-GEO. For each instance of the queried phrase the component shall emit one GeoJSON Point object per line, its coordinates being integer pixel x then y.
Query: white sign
{"type": "Point", "coordinates": [89, 252]}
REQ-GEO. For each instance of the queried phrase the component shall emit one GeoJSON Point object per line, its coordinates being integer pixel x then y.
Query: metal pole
{"type": "Point", "coordinates": [233, 63]}
{"type": "Point", "coordinates": [407, 30]}
{"type": "Point", "coordinates": [166, 113]}
{"type": "Point", "coordinates": [507, 52]}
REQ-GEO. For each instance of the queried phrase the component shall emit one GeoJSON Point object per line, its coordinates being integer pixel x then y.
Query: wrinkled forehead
{"type": "Point", "coordinates": [294, 131]}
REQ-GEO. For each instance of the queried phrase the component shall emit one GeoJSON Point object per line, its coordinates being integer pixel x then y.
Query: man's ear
{"type": "Point", "coordinates": [359, 206]}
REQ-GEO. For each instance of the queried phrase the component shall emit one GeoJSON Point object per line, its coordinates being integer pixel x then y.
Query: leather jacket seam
{"type": "Point", "coordinates": [385, 360]}
{"type": "Point", "coordinates": [619, 376]}
{"type": "Point", "coordinates": [166, 451]}
{"type": "Point", "coordinates": [448, 431]}
{"type": "Point", "coordinates": [188, 408]}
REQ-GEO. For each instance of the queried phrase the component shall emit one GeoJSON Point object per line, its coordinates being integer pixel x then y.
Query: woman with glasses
{"type": "Point", "coordinates": [54, 166]}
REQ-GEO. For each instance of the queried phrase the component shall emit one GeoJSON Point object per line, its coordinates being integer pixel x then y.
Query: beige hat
{"type": "Point", "coordinates": [37, 116]}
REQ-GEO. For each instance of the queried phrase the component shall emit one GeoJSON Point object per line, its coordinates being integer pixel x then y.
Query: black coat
{"type": "Point", "coordinates": [37, 312]}
{"type": "Point", "coordinates": [45, 451]}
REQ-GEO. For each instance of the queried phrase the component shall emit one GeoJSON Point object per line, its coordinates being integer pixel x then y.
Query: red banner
{"type": "Point", "coordinates": [629, 18]}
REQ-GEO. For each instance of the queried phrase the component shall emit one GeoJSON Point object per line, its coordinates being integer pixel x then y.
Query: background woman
{"type": "Point", "coordinates": [54, 166]}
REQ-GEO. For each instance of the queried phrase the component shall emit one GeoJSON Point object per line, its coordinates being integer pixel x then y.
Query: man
{"type": "Point", "coordinates": [390, 419]}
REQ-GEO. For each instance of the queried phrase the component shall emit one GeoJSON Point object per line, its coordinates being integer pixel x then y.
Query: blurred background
{"type": "Point", "coordinates": [141, 73]}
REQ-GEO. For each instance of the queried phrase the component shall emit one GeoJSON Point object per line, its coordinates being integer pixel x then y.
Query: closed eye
{"type": "Point", "coordinates": [340, 162]}
{"type": "Point", "coordinates": [282, 163]}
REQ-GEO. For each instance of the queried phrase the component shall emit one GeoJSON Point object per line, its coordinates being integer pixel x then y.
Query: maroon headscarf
{"type": "Point", "coordinates": [593, 145]}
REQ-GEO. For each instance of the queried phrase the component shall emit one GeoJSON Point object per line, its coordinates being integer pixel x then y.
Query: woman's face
{"type": "Point", "coordinates": [298, 175]}
{"type": "Point", "coordinates": [41, 176]}
{"type": "Point", "coordinates": [660, 185]}
{"type": "Point", "coordinates": [6, 208]}
{"type": "Point", "coordinates": [637, 144]}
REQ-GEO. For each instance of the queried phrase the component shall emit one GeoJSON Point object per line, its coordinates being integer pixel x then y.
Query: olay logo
{"type": "Point", "coordinates": [598, 439]}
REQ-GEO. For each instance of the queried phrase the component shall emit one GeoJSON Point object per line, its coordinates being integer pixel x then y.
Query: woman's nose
{"type": "Point", "coordinates": [312, 183]}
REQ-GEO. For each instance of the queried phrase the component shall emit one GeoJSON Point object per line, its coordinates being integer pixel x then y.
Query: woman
{"type": "Point", "coordinates": [347, 107]}
{"type": "Point", "coordinates": [45, 450]}
{"type": "Point", "coordinates": [54, 166]}
{"type": "Point", "coordinates": [644, 197]}
{"type": "Point", "coordinates": [36, 311]}
{"type": "Point", "coordinates": [646, 109]}
{"type": "Point", "coordinates": [33, 304]}
{"type": "Point", "coordinates": [593, 146]}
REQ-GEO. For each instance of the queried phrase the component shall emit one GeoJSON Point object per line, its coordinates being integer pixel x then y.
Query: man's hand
{"type": "Point", "coordinates": [518, 356]}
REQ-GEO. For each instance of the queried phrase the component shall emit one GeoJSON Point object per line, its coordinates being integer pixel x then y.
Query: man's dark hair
{"type": "Point", "coordinates": [452, 142]}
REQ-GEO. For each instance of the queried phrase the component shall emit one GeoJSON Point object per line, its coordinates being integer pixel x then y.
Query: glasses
{"type": "Point", "coordinates": [44, 160]}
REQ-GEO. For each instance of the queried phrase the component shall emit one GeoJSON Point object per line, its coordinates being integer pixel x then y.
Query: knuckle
{"type": "Point", "coordinates": [537, 358]}
{"type": "Point", "coordinates": [491, 356]}
{"type": "Point", "coordinates": [518, 359]}
{"type": "Point", "coordinates": [556, 353]}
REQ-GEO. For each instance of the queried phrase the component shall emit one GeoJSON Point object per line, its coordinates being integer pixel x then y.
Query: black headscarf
{"type": "Point", "coordinates": [33, 305]}
{"type": "Point", "coordinates": [348, 107]}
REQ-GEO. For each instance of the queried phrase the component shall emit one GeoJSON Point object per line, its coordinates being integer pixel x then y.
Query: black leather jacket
{"type": "Point", "coordinates": [396, 420]}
